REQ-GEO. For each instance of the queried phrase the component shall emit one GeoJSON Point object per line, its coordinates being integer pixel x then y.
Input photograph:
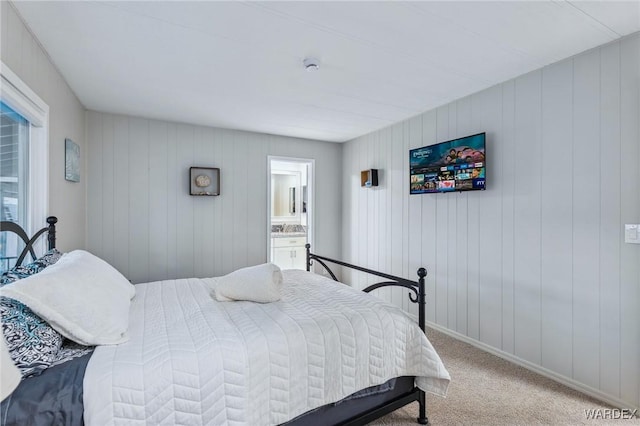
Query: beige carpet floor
{"type": "Point", "coordinates": [487, 390]}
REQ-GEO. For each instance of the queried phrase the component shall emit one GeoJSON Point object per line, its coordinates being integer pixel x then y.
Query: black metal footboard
{"type": "Point", "coordinates": [417, 295]}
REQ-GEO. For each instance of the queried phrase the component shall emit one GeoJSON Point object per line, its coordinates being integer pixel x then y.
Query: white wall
{"type": "Point", "coordinates": [20, 50]}
{"type": "Point", "coordinates": [142, 220]}
{"type": "Point", "coordinates": [535, 266]}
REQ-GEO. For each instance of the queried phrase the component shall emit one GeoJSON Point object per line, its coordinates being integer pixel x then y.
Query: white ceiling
{"type": "Point", "coordinates": [239, 64]}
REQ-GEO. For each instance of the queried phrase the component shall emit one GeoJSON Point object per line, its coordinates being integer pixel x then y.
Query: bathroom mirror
{"type": "Point", "coordinates": [284, 200]}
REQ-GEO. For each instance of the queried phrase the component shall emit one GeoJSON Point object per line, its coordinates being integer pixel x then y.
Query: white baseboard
{"type": "Point", "coordinates": [580, 387]}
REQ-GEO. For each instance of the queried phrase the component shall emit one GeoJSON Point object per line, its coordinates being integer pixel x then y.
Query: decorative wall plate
{"type": "Point", "coordinates": [202, 181]}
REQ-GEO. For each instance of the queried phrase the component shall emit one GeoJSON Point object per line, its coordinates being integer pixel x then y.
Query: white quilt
{"type": "Point", "coordinates": [193, 360]}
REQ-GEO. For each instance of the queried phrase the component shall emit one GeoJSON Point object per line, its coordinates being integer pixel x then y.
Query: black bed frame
{"type": "Point", "coordinates": [28, 243]}
{"type": "Point", "coordinates": [417, 296]}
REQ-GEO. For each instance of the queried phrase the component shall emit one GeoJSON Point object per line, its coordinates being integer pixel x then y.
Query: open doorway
{"type": "Point", "coordinates": [290, 210]}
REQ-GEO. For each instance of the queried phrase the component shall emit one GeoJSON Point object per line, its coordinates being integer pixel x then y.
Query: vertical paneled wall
{"type": "Point", "coordinates": [21, 52]}
{"type": "Point", "coordinates": [535, 266]}
{"type": "Point", "coordinates": [142, 220]}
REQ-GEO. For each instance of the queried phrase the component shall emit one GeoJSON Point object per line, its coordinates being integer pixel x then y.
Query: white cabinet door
{"type": "Point", "coordinates": [290, 257]}
{"type": "Point", "coordinates": [289, 252]}
{"type": "Point", "coordinates": [299, 259]}
{"type": "Point", "coordinates": [282, 257]}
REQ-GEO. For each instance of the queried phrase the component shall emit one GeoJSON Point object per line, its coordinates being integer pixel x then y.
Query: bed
{"type": "Point", "coordinates": [324, 354]}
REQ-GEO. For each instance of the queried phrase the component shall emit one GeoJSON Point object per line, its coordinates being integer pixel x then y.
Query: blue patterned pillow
{"type": "Point", "coordinates": [32, 343]}
{"type": "Point", "coordinates": [19, 272]}
{"type": "Point", "coordinates": [12, 275]}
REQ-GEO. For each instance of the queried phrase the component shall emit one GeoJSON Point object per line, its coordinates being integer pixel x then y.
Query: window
{"type": "Point", "coordinates": [14, 164]}
{"type": "Point", "coordinates": [23, 162]}
{"type": "Point", "coordinates": [14, 151]}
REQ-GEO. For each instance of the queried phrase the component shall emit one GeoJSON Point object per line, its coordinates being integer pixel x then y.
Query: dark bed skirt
{"type": "Point", "coordinates": [352, 407]}
{"type": "Point", "coordinates": [52, 398]}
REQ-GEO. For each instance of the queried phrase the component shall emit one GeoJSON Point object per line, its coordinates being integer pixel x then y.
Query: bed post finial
{"type": "Point", "coordinates": [422, 272]}
{"type": "Point", "coordinates": [308, 248]}
{"type": "Point", "coordinates": [51, 234]}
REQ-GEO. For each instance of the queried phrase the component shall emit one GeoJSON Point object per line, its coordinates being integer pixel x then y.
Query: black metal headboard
{"type": "Point", "coordinates": [29, 242]}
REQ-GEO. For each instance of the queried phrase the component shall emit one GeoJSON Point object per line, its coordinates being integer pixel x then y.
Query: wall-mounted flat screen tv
{"type": "Point", "coordinates": [455, 165]}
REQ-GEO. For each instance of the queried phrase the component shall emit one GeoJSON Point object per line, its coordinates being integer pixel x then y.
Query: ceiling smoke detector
{"type": "Point", "coordinates": [311, 64]}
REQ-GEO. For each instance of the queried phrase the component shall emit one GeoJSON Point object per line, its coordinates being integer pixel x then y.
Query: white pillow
{"type": "Point", "coordinates": [83, 297]}
{"type": "Point", "coordinates": [261, 283]}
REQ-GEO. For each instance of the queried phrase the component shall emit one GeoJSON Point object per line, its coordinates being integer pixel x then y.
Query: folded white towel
{"type": "Point", "coordinates": [261, 283]}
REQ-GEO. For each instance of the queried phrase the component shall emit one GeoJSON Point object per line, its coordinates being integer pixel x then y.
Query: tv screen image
{"type": "Point", "coordinates": [455, 165]}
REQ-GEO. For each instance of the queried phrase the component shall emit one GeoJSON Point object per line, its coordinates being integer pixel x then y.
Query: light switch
{"type": "Point", "coordinates": [632, 234]}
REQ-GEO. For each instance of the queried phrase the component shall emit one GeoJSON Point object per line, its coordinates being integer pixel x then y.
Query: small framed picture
{"type": "Point", "coordinates": [71, 161]}
{"type": "Point", "coordinates": [204, 181]}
